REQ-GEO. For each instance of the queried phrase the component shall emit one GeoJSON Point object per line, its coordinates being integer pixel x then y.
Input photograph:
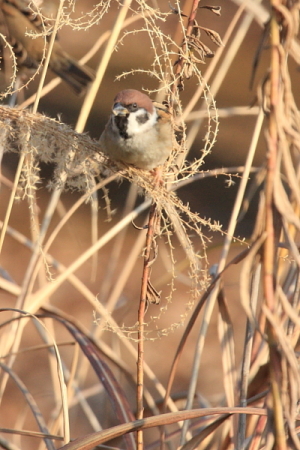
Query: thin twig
{"type": "Point", "coordinates": [90, 97]}
{"type": "Point", "coordinates": [181, 60]}
{"type": "Point", "coordinates": [270, 242]}
{"type": "Point", "coordinates": [141, 319]}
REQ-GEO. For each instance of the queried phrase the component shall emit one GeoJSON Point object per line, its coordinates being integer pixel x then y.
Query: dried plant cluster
{"type": "Point", "coordinates": [259, 404]}
{"type": "Point", "coordinates": [78, 160]}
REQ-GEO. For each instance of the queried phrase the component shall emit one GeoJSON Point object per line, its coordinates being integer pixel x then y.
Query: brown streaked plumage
{"type": "Point", "coordinates": [20, 21]}
{"type": "Point", "coordinates": [139, 131]}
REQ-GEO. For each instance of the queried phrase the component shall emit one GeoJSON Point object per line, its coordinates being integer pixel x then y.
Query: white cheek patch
{"type": "Point", "coordinates": [135, 126]}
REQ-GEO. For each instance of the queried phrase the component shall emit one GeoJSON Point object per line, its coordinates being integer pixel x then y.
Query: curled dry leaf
{"type": "Point", "coordinates": [213, 35]}
{"type": "Point", "coordinates": [214, 9]}
{"type": "Point", "coordinates": [198, 46]}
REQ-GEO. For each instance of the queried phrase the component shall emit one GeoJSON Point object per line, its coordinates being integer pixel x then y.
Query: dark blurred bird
{"type": "Point", "coordinates": [23, 21]}
{"type": "Point", "coordinates": [138, 132]}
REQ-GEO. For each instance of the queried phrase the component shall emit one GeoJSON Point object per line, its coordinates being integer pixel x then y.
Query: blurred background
{"type": "Point", "coordinates": [211, 197]}
{"type": "Point", "coordinates": [235, 91]}
{"type": "Point", "coordinates": [235, 132]}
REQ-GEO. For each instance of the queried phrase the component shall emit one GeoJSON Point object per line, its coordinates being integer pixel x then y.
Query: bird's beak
{"type": "Point", "coordinates": [120, 110]}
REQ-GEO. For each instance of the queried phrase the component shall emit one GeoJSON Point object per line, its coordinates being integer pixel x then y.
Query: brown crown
{"type": "Point", "coordinates": [129, 96]}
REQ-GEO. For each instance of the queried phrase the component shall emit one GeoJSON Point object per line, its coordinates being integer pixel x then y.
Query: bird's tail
{"type": "Point", "coordinates": [78, 77]}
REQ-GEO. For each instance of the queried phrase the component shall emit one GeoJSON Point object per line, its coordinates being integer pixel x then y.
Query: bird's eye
{"type": "Point", "coordinates": [134, 105]}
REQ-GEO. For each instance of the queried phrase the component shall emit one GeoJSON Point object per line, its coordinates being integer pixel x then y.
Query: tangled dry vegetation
{"type": "Point", "coordinates": [259, 405]}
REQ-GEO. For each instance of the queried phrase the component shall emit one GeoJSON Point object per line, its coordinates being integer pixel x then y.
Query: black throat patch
{"type": "Point", "coordinates": [122, 124]}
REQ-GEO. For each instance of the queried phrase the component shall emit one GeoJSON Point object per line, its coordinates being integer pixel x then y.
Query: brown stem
{"type": "Point", "coordinates": [141, 320]}
{"type": "Point", "coordinates": [189, 29]}
{"type": "Point", "coordinates": [269, 247]}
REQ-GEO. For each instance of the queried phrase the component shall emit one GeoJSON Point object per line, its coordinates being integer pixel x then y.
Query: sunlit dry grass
{"type": "Point", "coordinates": [49, 350]}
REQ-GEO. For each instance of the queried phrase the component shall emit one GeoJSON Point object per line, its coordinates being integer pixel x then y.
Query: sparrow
{"type": "Point", "coordinates": [23, 23]}
{"type": "Point", "coordinates": [138, 132]}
